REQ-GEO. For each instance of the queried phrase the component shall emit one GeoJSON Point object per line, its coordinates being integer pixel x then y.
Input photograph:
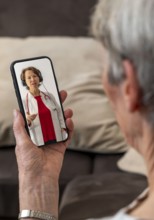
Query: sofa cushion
{"type": "Point", "coordinates": [78, 65]}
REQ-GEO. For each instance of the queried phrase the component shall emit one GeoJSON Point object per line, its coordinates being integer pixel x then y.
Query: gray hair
{"type": "Point", "coordinates": [126, 29]}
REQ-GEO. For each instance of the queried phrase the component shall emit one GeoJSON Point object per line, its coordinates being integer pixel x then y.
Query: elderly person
{"type": "Point", "coordinates": [125, 28]}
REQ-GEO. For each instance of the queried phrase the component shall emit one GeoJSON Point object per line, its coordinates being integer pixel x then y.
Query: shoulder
{"type": "Point", "coordinates": [48, 97]}
{"type": "Point", "coordinates": [47, 94]}
{"type": "Point", "coordinates": [121, 215]}
{"type": "Point", "coordinates": [51, 95]}
{"type": "Point", "coordinates": [52, 98]}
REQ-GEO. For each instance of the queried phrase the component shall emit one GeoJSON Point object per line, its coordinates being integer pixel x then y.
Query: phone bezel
{"type": "Point", "coordinates": [18, 95]}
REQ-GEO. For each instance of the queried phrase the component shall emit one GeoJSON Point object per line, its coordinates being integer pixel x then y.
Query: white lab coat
{"type": "Point", "coordinates": [31, 107]}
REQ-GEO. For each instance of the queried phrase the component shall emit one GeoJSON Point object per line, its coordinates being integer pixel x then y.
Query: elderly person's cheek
{"type": "Point", "coordinates": [115, 102]}
{"type": "Point", "coordinates": [109, 90]}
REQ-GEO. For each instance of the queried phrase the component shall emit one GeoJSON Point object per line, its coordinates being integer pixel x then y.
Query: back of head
{"type": "Point", "coordinates": [126, 29]}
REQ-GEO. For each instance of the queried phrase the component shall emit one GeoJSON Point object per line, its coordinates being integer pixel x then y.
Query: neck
{"type": "Point", "coordinates": [143, 141]}
{"type": "Point", "coordinates": [35, 91]}
{"type": "Point", "coordinates": [149, 160]}
{"type": "Point", "coordinates": [146, 148]}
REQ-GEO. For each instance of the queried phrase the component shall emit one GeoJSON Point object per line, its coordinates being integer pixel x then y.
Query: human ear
{"type": "Point", "coordinates": [130, 87]}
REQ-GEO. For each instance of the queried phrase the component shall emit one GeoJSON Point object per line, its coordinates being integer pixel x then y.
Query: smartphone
{"type": "Point", "coordinates": [39, 100]}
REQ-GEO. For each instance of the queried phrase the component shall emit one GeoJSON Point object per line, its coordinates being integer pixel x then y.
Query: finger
{"type": "Point", "coordinates": [19, 128]}
{"type": "Point", "coordinates": [63, 95]}
{"type": "Point", "coordinates": [68, 113]}
{"type": "Point", "coordinates": [70, 126]}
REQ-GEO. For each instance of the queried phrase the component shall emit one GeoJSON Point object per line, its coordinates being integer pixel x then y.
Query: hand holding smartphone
{"type": "Point", "coordinates": [39, 101]}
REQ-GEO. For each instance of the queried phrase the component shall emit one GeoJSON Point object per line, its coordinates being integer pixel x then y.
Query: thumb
{"type": "Point", "coordinates": [19, 127]}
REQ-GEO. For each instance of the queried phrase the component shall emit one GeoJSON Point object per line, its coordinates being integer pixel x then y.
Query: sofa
{"type": "Point", "coordinates": [91, 183]}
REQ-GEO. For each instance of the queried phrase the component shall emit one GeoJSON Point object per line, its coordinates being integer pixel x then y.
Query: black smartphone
{"type": "Point", "coordinates": [39, 100]}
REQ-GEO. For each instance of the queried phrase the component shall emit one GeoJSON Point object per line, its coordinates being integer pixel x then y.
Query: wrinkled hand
{"type": "Point", "coordinates": [39, 168]}
{"type": "Point", "coordinates": [46, 160]}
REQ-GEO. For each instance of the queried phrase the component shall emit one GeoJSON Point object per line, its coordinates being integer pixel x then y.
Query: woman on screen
{"type": "Point", "coordinates": [44, 116]}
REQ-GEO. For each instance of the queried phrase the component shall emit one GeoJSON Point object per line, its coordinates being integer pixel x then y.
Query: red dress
{"type": "Point", "coordinates": [45, 121]}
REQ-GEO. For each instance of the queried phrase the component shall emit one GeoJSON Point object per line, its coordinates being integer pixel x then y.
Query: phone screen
{"type": "Point", "coordinates": [39, 101]}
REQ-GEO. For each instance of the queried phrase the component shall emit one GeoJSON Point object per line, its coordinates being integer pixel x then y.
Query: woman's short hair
{"type": "Point", "coordinates": [126, 29]}
{"type": "Point", "coordinates": [34, 70]}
